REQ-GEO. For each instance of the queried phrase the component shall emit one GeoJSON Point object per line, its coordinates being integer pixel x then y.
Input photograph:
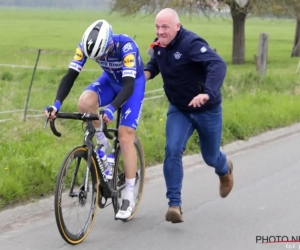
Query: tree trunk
{"type": "Point", "coordinates": [296, 49]}
{"type": "Point", "coordinates": [238, 45]}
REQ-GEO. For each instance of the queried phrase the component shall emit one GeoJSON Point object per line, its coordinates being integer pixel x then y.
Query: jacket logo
{"type": "Point", "coordinates": [177, 55]}
{"type": "Point", "coordinates": [203, 49]}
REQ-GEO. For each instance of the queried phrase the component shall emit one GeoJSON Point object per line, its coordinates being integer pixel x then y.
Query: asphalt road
{"type": "Point", "coordinates": [265, 202]}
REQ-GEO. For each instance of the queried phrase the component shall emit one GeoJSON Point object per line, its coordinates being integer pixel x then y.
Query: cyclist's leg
{"type": "Point", "coordinates": [131, 112]}
{"type": "Point", "coordinates": [97, 94]}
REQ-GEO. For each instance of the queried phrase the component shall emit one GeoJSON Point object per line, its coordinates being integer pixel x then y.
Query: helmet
{"type": "Point", "coordinates": [97, 39]}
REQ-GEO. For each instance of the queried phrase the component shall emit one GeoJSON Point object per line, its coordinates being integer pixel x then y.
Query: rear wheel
{"type": "Point", "coordinates": [119, 177]}
{"type": "Point", "coordinates": [75, 208]}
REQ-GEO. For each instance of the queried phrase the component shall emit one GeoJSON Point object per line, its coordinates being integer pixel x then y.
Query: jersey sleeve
{"type": "Point", "coordinates": [130, 55]}
{"type": "Point", "coordinates": [79, 59]}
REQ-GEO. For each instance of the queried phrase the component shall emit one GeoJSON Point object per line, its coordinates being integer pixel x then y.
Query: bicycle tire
{"type": "Point", "coordinates": [75, 238]}
{"type": "Point", "coordinates": [141, 181]}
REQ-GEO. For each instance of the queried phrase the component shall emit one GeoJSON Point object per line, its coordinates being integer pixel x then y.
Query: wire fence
{"type": "Point", "coordinates": [37, 113]}
{"type": "Point", "coordinates": [40, 115]}
{"type": "Point", "coordinates": [40, 67]}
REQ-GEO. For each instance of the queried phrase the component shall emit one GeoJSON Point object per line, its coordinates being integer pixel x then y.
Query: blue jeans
{"type": "Point", "coordinates": [179, 128]}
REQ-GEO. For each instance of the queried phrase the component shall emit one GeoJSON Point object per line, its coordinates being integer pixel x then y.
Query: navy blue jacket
{"type": "Point", "coordinates": [188, 67]}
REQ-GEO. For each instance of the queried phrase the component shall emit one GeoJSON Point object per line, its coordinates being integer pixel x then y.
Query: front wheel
{"type": "Point", "coordinates": [119, 177]}
{"type": "Point", "coordinates": [76, 200]}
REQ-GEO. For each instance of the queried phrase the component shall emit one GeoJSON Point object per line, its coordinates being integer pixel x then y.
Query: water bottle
{"type": "Point", "coordinates": [111, 160]}
{"type": "Point", "coordinates": [111, 163]}
{"type": "Point", "coordinates": [106, 166]}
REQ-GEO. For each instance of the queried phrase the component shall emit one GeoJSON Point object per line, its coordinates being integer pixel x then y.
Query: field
{"type": "Point", "coordinates": [30, 155]}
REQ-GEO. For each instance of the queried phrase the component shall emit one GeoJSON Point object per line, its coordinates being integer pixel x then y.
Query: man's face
{"type": "Point", "coordinates": [166, 29]}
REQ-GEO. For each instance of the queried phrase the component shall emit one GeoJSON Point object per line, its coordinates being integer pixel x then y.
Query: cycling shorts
{"type": "Point", "coordinates": [131, 110]}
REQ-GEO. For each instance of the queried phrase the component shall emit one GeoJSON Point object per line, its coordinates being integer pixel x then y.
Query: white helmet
{"type": "Point", "coordinates": [97, 39]}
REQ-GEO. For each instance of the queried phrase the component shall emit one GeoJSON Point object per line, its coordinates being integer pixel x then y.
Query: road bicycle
{"type": "Point", "coordinates": [82, 185]}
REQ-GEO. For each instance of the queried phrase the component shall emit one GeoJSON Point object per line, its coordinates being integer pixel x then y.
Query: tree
{"type": "Point", "coordinates": [292, 7]}
{"type": "Point", "coordinates": [288, 9]}
{"type": "Point", "coordinates": [239, 10]}
{"type": "Point", "coordinates": [296, 47]}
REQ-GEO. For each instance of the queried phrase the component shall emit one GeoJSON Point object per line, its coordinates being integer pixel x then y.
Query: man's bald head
{"type": "Point", "coordinates": [167, 25]}
{"type": "Point", "coordinates": [170, 14]}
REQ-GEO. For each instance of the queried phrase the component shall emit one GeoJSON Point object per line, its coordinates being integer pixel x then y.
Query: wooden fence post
{"type": "Point", "coordinates": [262, 55]}
{"type": "Point", "coordinates": [298, 68]}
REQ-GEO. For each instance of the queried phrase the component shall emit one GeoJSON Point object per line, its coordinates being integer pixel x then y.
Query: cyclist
{"type": "Point", "coordinates": [122, 84]}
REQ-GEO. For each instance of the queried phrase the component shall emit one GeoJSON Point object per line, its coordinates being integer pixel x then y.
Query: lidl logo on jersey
{"type": "Point", "coordinates": [78, 55]}
{"type": "Point", "coordinates": [129, 61]}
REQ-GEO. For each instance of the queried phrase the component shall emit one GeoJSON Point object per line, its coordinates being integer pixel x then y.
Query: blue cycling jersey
{"type": "Point", "coordinates": [123, 60]}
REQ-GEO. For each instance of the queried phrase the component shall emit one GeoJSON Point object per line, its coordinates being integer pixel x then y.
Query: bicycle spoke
{"type": "Point", "coordinates": [74, 207]}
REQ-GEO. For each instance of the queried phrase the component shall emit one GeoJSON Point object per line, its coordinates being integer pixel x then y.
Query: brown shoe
{"type": "Point", "coordinates": [174, 215]}
{"type": "Point", "coordinates": [226, 181]}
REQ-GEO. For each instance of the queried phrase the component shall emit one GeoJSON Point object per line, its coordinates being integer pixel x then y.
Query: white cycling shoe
{"type": "Point", "coordinates": [126, 210]}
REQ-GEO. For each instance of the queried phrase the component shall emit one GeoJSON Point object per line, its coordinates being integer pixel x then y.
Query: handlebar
{"type": "Point", "coordinates": [78, 116]}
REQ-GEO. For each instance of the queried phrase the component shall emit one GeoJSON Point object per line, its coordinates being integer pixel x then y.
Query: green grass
{"type": "Point", "coordinates": [30, 155]}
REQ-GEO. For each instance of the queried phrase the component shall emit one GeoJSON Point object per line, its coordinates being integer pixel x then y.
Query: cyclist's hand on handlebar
{"type": "Point", "coordinates": [50, 111]}
{"type": "Point", "coordinates": [49, 115]}
{"type": "Point", "coordinates": [108, 115]}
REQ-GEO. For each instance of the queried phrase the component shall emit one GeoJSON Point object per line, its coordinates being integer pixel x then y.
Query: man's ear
{"type": "Point", "coordinates": [178, 26]}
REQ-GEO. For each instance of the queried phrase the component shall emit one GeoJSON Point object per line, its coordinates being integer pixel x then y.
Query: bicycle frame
{"type": "Point", "coordinates": [92, 152]}
{"type": "Point", "coordinates": [114, 193]}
